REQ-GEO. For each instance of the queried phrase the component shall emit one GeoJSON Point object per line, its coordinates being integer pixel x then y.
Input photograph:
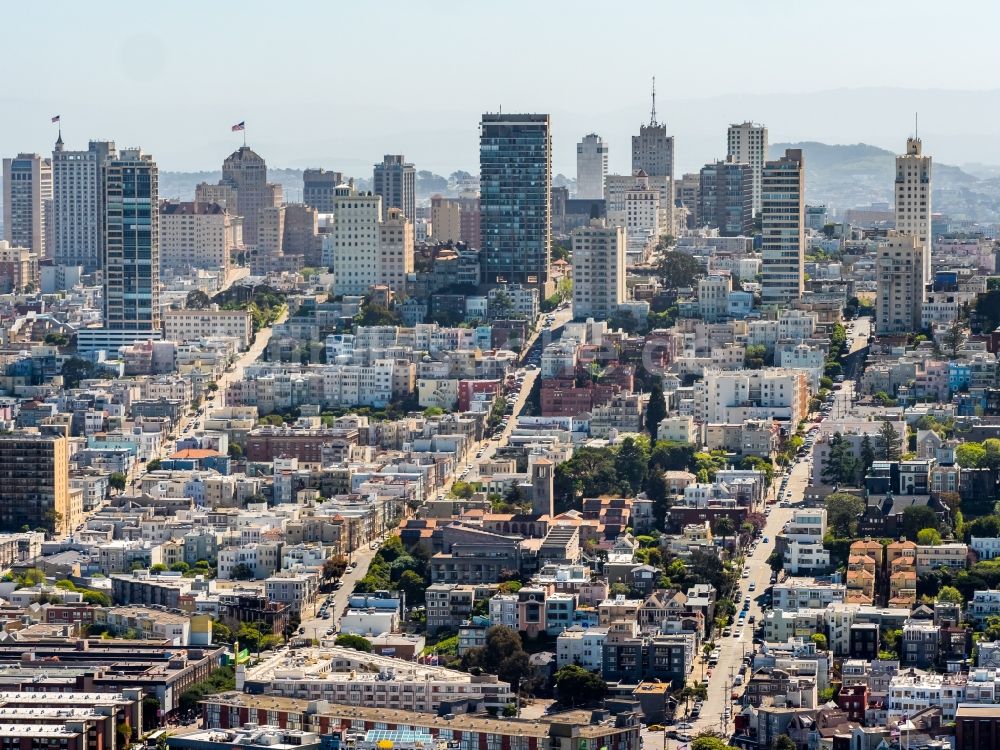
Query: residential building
{"type": "Point", "coordinates": [913, 201]}
{"type": "Point", "coordinates": [984, 604]}
{"type": "Point", "coordinates": [901, 284]}
{"type": "Point", "coordinates": [746, 143]}
{"type": "Point", "coordinates": [193, 325]}
{"type": "Point", "coordinates": [78, 204]}
{"type": "Point", "coordinates": [355, 240]}
{"type": "Point", "coordinates": [783, 224]}
{"type": "Point", "coordinates": [132, 247]}
{"type": "Point", "coordinates": [27, 202]}
{"type": "Point", "coordinates": [18, 269]}
{"type": "Point", "coordinates": [977, 727]}
{"type": "Point", "coordinates": [725, 197]}
{"type": "Point", "coordinates": [598, 270]}
{"type": "Point", "coordinates": [913, 690]}
{"type": "Point", "coordinates": [319, 187]}
{"type": "Point", "coordinates": [395, 181]}
{"type": "Point", "coordinates": [732, 397]}
{"type": "Point", "coordinates": [245, 172]}
{"type": "Point", "coordinates": [395, 250]}
{"type": "Point", "coordinates": [591, 167]}
{"type": "Point", "coordinates": [446, 220]}
{"type": "Point", "coordinates": [515, 164]}
{"type": "Point", "coordinates": [34, 474]}
{"type": "Point", "coordinates": [197, 235]}
{"type": "Point", "coordinates": [581, 646]}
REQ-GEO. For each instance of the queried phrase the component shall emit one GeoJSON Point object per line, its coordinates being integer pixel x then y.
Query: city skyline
{"type": "Point", "coordinates": [289, 107]}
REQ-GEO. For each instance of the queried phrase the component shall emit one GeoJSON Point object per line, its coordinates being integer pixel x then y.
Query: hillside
{"type": "Point", "coordinates": [845, 176]}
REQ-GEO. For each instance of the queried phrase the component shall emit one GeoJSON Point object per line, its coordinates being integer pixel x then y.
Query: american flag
{"type": "Point", "coordinates": [239, 126]}
{"type": "Point", "coordinates": [55, 119]}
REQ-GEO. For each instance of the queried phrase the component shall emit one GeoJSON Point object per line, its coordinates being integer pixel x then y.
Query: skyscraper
{"type": "Point", "coordinates": [653, 149]}
{"type": "Point", "coordinates": [746, 143]}
{"type": "Point", "coordinates": [515, 173]}
{"type": "Point", "coordinates": [78, 204]}
{"type": "Point", "coordinates": [396, 182]}
{"type": "Point", "coordinates": [899, 267]}
{"type": "Point", "coordinates": [783, 223]}
{"type": "Point", "coordinates": [246, 172]}
{"type": "Point", "coordinates": [395, 250]}
{"type": "Point", "coordinates": [591, 167]}
{"type": "Point", "coordinates": [318, 187]}
{"type": "Point", "coordinates": [913, 199]}
{"type": "Point", "coordinates": [725, 197]}
{"type": "Point", "coordinates": [598, 270]}
{"type": "Point", "coordinates": [132, 247]}
{"type": "Point", "coordinates": [27, 202]}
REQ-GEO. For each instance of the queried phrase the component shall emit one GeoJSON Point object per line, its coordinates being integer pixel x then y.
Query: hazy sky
{"type": "Point", "coordinates": [337, 84]}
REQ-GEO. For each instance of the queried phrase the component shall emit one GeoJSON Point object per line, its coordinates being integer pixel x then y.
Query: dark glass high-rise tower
{"type": "Point", "coordinates": [515, 180]}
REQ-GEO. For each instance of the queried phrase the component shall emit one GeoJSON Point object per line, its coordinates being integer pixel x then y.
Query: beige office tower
{"type": "Point", "coordinates": [197, 235]}
{"type": "Point", "coordinates": [395, 250]}
{"type": "Point", "coordinates": [900, 269]}
{"type": "Point", "coordinates": [224, 195]}
{"type": "Point", "coordinates": [913, 199]}
{"type": "Point", "coordinates": [598, 270]}
{"type": "Point", "coordinates": [746, 143]}
{"type": "Point", "coordinates": [783, 222]}
{"type": "Point", "coordinates": [446, 220]}
{"type": "Point", "coordinates": [27, 202]}
{"type": "Point", "coordinates": [35, 475]}
{"type": "Point", "coordinates": [246, 172]}
{"type": "Point", "coordinates": [270, 239]}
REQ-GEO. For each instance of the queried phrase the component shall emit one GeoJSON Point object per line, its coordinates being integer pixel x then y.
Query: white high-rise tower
{"type": "Point", "coordinates": [591, 167]}
{"type": "Point", "coordinates": [746, 143]}
{"type": "Point", "coordinates": [913, 199]}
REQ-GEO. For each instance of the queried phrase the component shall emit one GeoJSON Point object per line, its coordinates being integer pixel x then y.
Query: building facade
{"type": "Point", "coordinates": [515, 162]}
{"type": "Point", "coordinates": [132, 247]}
{"type": "Point", "coordinates": [746, 143]}
{"type": "Point", "coordinates": [34, 474]}
{"type": "Point", "coordinates": [783, 223]}
{"type": "Point", "coordinates": [396, 181]}
{"type": "Point", "coordinates": [27, 202]}
{"type": "Point", "coordinates": [318, 188]}
{"type": "Point", "coordinates": [197, 235]}
{"type": "Point", "coordinates": [725, 198]}
{"type": "Point", "coordinates": [591, 167]}
{"type": "Point", "coordinates": [355, 240]}
{"type": "Point", "coordinates": [245, 172]}
{"type": "Point", "coordinates": [901, 288]}
{"type": "Point", "coordinates": [598, 270]}
{"type": "Point", "coordinates": [913, 200]}
{"type": "Point", "coordinates": [78, 204]}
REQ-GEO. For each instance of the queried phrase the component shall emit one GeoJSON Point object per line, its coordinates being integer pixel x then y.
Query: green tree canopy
{"type": "Point", "coordinates": [840, 467]}
{"type": "Point", "coordinates": [929, 537]}
{"type": "Point", "coordinates": [656, 410]}
{"type": "Point", "coordinates": [357, 642]}
{"type": "Point", "coordinates": [842, 512]}
{"type": "Point", "coordinates": [678, 269]}
{"type": "Point", "coordinates": [950, 594]}
{"type": "Point", "coordinates": [578, 685]}
{"type": "Point", "coordinates": [888, 443]}
{"type": "Point", "coordinates": [917, 518]}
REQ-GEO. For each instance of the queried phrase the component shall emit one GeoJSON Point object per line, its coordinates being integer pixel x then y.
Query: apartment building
{"type": "Point", "coordinates": [193, 325]}
{"type": "Point", "coordinates": [783, 223]}
{"type": "Point", "coordinates": [598, 270]}
{"type": "Point", "coordinates": [198, 235]}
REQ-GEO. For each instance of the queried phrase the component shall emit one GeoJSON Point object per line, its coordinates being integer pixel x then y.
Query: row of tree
{"type": "Point", "coordinates": [842, 467]}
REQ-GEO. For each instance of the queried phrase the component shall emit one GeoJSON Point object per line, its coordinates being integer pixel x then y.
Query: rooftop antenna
{"type": "Point", "coordinates": [916, 125]}
{"type": "Point", "coordinates": [652, 111]}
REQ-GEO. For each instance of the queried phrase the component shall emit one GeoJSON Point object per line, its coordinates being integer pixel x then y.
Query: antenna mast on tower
{"type": "Point", "coordinates": [652, 111]}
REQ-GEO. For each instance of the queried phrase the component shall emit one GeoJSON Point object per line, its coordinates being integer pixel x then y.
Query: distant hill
{"type": "Point", "coordinates": [846, 176]}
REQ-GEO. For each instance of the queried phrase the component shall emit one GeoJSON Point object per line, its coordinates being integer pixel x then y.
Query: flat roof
{"type": "Point", "coordinates": [464, 722]}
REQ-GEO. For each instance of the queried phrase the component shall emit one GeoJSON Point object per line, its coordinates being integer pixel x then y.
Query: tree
{"type": "Point", "coordinates": [241, 572]}
{"type": "Point", "coordinates": [866, 457]}
{"type": "Point", "coordinates": [658, 491]}
{"type": "Point", "coordinates": [96, 599]}
{"type": "Point", "coordinates": [413, 585]}
{"type": "Point", "coordinates": [56, 338]}
{"type": "Point", "coordinates": [709, 741]}
{"type": "Point", "coordinates": [630, 464]}
{"type": "Point", "coordinates": [970, 455]}
{"type": "Point", "coordinates": [235, 451]}
{"type": "Point", "coordinates": [578, 685]}
{"type": "Point", "coordinates": [929, 537]}
{"type": "Point", "coordinates": [221, 632]}
{"type": "Point", "coordinates": [725, 527]}
{"type": "Point", "coordinates": [842, 512]}
{"type": "Point", "coordinates": [820, 640]}
{"type": "Point", "coordinates": [154, 465]}
{"type": "Point", "coordinates": [656, 410]}
{"type": "Point", "coordinates": [917, 518]}
{"type": "Point", "coordinates": [503, 655]}
{"type": "Point", "coordinates": [462, 489]}
{"type": "Point", "coordinates": [888, 443]}
{"type": "Point", "coordinates": [783, 742]}
{"type": "Point", "coordinates": [840, 466]}
{"type": "Point", "coordinates": [197, 300]}
{"type": "Point", "coordinates": [754, 356]}
{"type": "Point", "coordinates": [349, 640]}
{"type": "Point", "coordinates": [950, 594]}
{"type": "Point", "coordinates": [953, 338]}
{"type": "Point", "coordinates": [117, 481]}
{"type": "Point", "coordinates": [678, 270]}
